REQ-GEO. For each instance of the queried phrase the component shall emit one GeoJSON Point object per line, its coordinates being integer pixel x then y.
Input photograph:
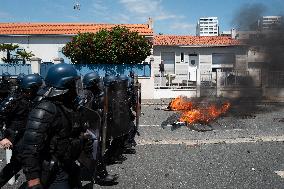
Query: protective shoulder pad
{"type": "Point", "coordinates": [43, 112]}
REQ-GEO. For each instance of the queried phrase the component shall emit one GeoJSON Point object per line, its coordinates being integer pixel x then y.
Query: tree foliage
{"type": "Point", "coordinates": [117, 46]}
{"type": "Point", "coordinates": [8, 48]}
{"type": "Point", "coordinates": [25, 55]}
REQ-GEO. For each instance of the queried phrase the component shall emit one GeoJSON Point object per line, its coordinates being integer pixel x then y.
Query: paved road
{"type": "Point", "coordinates": [244, 150]}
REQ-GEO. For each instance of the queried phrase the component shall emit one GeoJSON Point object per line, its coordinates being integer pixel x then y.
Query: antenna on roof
{"type": "Point", "coordinates": [76, 6]}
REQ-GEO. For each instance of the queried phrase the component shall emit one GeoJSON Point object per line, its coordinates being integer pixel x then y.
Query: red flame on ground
{"type": "Point", "coordinates": [193, 114]}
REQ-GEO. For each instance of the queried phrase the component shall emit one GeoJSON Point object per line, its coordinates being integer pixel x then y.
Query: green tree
{"type": "Point", "coordinates": [117, 46]}
{"type": "Point", "coordinates": [8, 48]}
{"type": "Point", "coordinates": [26, 56]}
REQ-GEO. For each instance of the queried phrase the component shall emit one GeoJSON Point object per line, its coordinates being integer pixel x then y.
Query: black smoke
{"type": "Point", "coordinates": [247, 17]}
{"type": "Point", "coordinates": [269, 43]}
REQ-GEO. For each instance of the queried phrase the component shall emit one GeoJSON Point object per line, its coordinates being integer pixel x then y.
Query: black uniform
{"type": "Point", "coordinates": [118, 118]}
{"type": "Point", "coordinates": [5, 89]}
{"type": "Point", "coordinates": [53, 139]}
{"type": "Point", "coordinates": [132, 105]}
{"type": "Point", "coordinates": [14, 112]}
{"type": "Point", "coordinates": [95, 101]}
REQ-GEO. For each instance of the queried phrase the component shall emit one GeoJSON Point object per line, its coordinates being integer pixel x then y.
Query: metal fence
{"type": "Point", "coordinates": [241, 78]}
{"type": "Point", "coordinates": [15, 69]}
{"type": "Point", "coordinates": [142, 70]}
{"type": "Point", "coordinates": [208, 84]}
{"type": "Point", "coordinates": [275, 79]}
{"type": "Point", "coordinates": [44, 66]}
{"type": "Point", "coordinates": [173, 81]}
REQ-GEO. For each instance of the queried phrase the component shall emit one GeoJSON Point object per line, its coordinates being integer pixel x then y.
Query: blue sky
{"type": "Point", "coordinates": [170, 16]}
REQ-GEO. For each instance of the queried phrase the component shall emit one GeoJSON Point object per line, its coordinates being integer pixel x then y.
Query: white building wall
{"type": "Point", "coordinates": [44, 47]}
{"type": "Point", "coordinates": [147, 88]}
{"type": "Point", "coordinates": [204, 60]}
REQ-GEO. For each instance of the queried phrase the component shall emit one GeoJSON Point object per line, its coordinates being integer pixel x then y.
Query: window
{"type": "Point", "coordinates": [223, 58]}
{"type": "Point", "coordinates": [182, 57]}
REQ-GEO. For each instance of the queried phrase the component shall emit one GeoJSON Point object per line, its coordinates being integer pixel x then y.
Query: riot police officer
{"type": "Point", "coordinates": [5, 85]}
{"type": "Point", "coordinates": [14, 112]}
{"type": "Point", "coordinates": [17, 87]}
{"type": "Point", "coordinates": [118, 127]}
{"type": "Point", "coordinates": [132, 92]}
{"type": "Point", "coordinates": [94, 99]}
{"type": "Point", "coordinates": [54, 137]}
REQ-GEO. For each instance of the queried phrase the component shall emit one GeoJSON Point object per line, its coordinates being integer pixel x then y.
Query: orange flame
{"type": "Point", "coordinates": [180, 103]}
{"type": "Point", "coordinates": [197, 115]}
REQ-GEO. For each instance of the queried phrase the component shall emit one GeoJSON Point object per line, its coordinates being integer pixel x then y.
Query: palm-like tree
{"type": "Point", "coordinates": [8, 48]}
{"type": "Point", "coordinates": [25, 55]}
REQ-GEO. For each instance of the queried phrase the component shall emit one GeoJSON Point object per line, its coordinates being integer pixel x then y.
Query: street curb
{"type": "Point", "coordinates": [213, 141]}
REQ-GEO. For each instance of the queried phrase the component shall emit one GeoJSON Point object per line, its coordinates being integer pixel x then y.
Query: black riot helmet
{"type": "Point", "coordinates": [30, 84]}
{"type": "Point", "coordinates": [20, 78]}
{"type": "Point", "coordinates": [122, 78]}
{"type": "Point", "coordinates": [61, 78]}
{"type": "Point", "coordinates": [109, 80]}
{"type": "Point", "coordinates": [6, 76]}
{"type": "Point", "coordinates": [91, 79]}
{"type": "Point", "coordinates": [31, 81]}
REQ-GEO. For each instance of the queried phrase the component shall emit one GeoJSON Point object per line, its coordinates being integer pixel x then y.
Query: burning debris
{"type": "Point", "coordinates": [204, 115]}
{"type": "Point", "coordinates": [179, 104]}
{"type": "Point", "coordinates": [171, 120]}
{"type": "Point", "coordinates": [196, 113]}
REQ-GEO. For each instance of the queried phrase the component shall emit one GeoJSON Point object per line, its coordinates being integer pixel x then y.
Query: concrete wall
{"type": "Point", "coordinates": [147, 88]}
{"type": "Point", "coordinates": [171, 93]}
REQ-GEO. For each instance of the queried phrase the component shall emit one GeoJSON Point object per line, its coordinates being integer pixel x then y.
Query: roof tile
{"type": "Point", "coordinates": [187, 40]}
{"type": "Point", "coordinates": [65, 28]}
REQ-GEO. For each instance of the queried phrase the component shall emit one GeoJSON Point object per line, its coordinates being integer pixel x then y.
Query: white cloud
{"type": "Point", "coordinates": [142, 9]}
{"type": "Point", "coordinates": [165, 16]}
{"type": "Point", "coordinates": [99, 8]}
{"type": "Point", "coordinates": [183, 28]}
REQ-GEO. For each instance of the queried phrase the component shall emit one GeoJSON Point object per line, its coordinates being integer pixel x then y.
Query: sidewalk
{"type": "Point", "coordinates": [166, 101]}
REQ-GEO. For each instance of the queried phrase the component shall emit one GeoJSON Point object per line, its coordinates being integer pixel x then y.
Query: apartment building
{"type": "Point", "coordinates": [207, 26]}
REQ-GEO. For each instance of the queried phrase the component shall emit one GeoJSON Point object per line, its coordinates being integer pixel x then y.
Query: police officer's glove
{"type": "Point", "coordinates": [87, 143]}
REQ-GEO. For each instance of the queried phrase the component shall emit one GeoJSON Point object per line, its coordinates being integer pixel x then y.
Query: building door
{"type": "Point", "coordinates": [192, 67]}
{"type": "Point", "coordinates": [168, 59]}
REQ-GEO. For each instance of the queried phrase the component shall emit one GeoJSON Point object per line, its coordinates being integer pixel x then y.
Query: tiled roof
{"type": "Point", "coordinates": [65, 28]}
{"type": "Point", "coordinates": [173, 40]}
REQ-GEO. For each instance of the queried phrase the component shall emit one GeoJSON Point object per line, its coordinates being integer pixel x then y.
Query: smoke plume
{"type": "Point", "coordinates": [270, 42]}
